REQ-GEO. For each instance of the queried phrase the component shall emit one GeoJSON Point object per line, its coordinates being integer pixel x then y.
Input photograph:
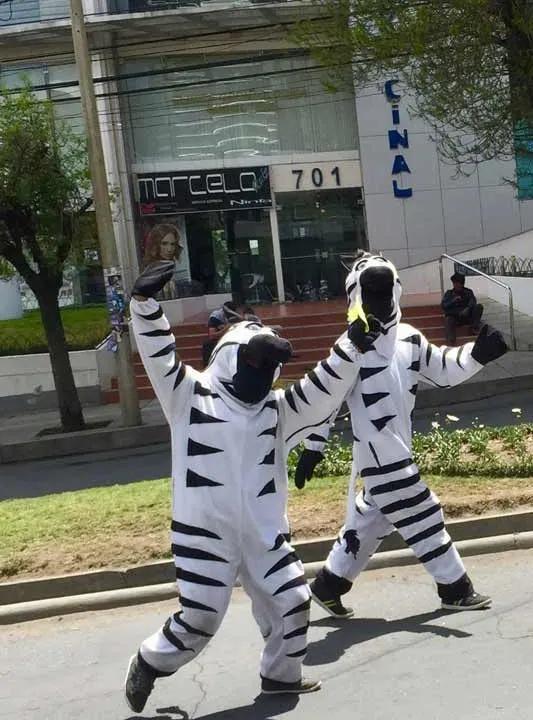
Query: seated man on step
{"type": "Point", "coordinates": [460, 308]}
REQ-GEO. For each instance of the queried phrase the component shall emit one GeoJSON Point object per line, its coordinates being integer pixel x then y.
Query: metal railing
{"type": "Point", "coordinates": [475, 271]}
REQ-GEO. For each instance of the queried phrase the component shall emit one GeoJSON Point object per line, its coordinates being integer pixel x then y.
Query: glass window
{"type": "Point", "coordinates": [15, 12]}
{"type": "Point", "coordinates": [233, 108]}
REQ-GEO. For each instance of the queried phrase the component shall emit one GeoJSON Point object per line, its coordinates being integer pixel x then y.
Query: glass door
{"type": "Point", "coordinates": [316, 229]}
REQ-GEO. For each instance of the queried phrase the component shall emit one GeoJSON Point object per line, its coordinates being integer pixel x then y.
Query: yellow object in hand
{"type": "Point", "coordinates": [356, 312]}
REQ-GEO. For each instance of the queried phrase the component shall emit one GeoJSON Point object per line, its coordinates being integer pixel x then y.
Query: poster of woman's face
{"type": "Point", "coordinates": [164, 238]}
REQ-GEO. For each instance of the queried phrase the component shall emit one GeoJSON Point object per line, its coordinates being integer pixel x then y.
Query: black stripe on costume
{"type": "Point", "coordinates": [329, 370]}
{"type": "Point", "coordinates": [428, 353]}
{"type": "Point", "coordinates": [444, 354]}
{"type": "Point", "coordinates": [269, 489]}
{"type": "Point", "coordinates": [385, 469]}
{"type": "Point", "coordinates": [414, 366]}
{"type": "Point", "coordinates": [316, 438]}
{"type": "Point", "coordinates": [280, 539]}
{"type": "Point", "coordinates": [171, 347]}
{"type": "Point", "coordinates": [302, 607]}
{"type": "Point", "coordinates": [351, 288]}
{"type": "Point", "coordinates": [296, 633]}
{"type": "Point", "coordinates": [179, 376]}
{"type": "Point", "coordinates": [193, 530]}
{"type": "Point", "coordinates": [458, 358]}
{"type": "Point", "coordinates": [414, 339]}
{"type": "Point", "coordinates": [370, 399]}
{"type": "Point", "coordinates": [153, 316]}
{"type": "Point", "coordinates": [189, 628]}
{"type": "Point", "coordinates": [288, 559]}
{"type": "Point", "coordinates": [317, 382]}
{"type": "Point", "coordinates": [195, 480]}
{"type": "Point", "coordinates": [195, 605]}
{"type": "Point", "coordinates": [340, 352]}
{"type": "Point", "coordinates": [290, 399]}
{"type": "Point", "coordinates": [418, 517]}
{"type": "Point", "coordinates": [157, 333]}
{"type": "Point", "coordinates": [413, 389]}
{"type": "Point", "coordinates": [306, 427]}
{"type": "Point", "coordinates": [173, 369]}
{"type": "Point", "coordinates": [173, 640]}
{"type": "Point", "coordinates": [365, 373]}
{"type": "Point", "coordinates": [425, 534]}
{"type": "Point", "coordinates": [198, 417]}
{"type": "Point", "coordinates": [269, 431]}
{"type": "Point", "coordinates": [272, 404]}
{"type": "Point", "coordinates": [436, 553]}
{"type": "Point", "coordinates": [298, 653]}
{"type": "Point", "coordinates": [269, 459]}
{"type": "Point", "coordinates": [300, 392]}
{"type": "Point", "coordinates": [374, 453]}
{"type": "Point", "coordinates": [406, 503]}
{"type": "Point", "coordinates": [198, 448]}
{"type": "Point", "coordinates": [197, 579]}
{"type": "Point", "coordinates": [380, 423]}
{"type": "Point", "coordinates": [183, 551]}
{"type": "Point", "coordinates": [394, 485]}
{"type": "Point", "coordinates": [199, 389]}
{"type": "Point", "coordinates": [295, 582]}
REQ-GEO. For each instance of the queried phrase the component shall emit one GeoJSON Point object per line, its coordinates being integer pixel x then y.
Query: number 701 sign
{"type": "Point", "coordinates": [315, 176]}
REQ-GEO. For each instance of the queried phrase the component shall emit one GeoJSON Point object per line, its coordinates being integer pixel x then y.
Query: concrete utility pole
{"type": "Point", "coordinates": [129, 400]}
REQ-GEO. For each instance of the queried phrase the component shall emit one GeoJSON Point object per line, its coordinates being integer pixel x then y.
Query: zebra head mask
{"type": "Point", "coordinates": [373, 288]}
{"type": "Point", "coordinates": [246, 362]}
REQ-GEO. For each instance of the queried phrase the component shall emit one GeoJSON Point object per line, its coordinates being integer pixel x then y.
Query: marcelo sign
{"type": "Point", "coordinates": [201, 190]}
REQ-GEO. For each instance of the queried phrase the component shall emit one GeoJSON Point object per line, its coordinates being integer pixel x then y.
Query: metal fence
{"type": "Point", "coordinates": [504, 266]}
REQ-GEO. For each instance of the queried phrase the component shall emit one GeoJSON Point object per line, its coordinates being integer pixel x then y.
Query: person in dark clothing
{"type": "Point", "coordinates": [460, 308]}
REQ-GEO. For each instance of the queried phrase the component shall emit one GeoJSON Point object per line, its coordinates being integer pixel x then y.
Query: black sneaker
{"type": "Point", "coordinates": [474, 601]}
{"type": "Point", "coordinates": [139, 683]}
{"type": "Point", "coordinates": [329, 602]}
{"type": "Point", "coordinates": [276, 687]}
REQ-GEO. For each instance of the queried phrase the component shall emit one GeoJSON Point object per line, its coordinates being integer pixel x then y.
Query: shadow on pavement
{"type": "Point", "coordinates": [264, 707]}
{"type": "Point", "coordinates": [358, 630]}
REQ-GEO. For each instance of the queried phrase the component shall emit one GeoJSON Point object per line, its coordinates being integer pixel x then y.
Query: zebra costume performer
{"type": "Point", "coordinates": [381, 404]}
{"type": "Point", "coordinates": [231, 434]}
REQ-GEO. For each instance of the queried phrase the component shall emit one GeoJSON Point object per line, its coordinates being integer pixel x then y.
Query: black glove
{"type": "Point", "coordinates": [153, 278]}
{"type": "Point", "coordinates": [308, 461]}
{"type": "Point", "coordinates": [489, 345]}
{"type": "Point", "coordinates": [364, 339]}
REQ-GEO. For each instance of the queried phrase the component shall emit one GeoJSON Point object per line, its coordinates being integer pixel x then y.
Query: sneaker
{"type": "Point", "coordinates": [332, 604]}
{"type": "Point", "coordinates": [474, 601]}
{"type": "Point", "coordinates": [276, 687]}
{"type": "Point", "coordinates": [139, 683]}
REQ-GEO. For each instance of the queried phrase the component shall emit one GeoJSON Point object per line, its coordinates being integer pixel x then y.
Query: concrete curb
{"type": "Point", "coordinates": [24, 612]}
{"type": "Point", "coordinates": [161, 572]}
{"type": "Point", "coordinates": [121, 438]}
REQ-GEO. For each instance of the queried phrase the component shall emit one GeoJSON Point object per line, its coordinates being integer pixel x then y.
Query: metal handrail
{"type": "Point", "coordinates": [456, 261]}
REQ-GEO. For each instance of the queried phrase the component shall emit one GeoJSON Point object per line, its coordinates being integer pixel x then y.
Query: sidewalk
{"type": "Point", "coordinates": [19, 441]}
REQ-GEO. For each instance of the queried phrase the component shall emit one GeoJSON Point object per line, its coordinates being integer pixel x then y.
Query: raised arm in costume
{"type": "Point", "coordinates": [381, 403]}
{"type": "Point", "coordinates": [230, 438]}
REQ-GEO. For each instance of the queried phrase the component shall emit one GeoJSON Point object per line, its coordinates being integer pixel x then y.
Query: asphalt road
{"type": "Point", "coordinates": [399, 659]}
{"type": "Point", "coordinates": [147, 463]}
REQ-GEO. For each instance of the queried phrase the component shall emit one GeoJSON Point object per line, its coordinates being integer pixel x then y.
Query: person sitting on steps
{"type": "Point", "coordinates": [460, 308]}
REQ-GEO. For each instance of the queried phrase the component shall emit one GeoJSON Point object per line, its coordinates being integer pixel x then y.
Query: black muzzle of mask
{"type": "Point", "coordinates": [257, 363]}
{"type": "Point", "coordinates": [377, 284]}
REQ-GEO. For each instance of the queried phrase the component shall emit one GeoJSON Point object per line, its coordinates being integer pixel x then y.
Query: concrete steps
{"type": "Point", "coordinates": [311, 330]}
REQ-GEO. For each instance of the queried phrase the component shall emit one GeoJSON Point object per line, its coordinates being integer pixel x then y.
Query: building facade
{"type": "Point", "coordinates": [233, 158]}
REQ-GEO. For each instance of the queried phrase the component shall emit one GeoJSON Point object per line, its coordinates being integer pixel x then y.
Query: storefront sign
{"type": "Point", "coordinates": [397, 140]}
{"type": "Point", "coordinates": [201, 190]}
{"type": "Point", "coordinates": [316, 176]}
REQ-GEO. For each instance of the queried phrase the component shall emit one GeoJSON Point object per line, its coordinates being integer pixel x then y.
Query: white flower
{"type": "Point", "coordinates": [516, 411]}
{"type": "Point", "coordinates": [481, 427]}
{"type": "Point", "coordinates": [435, 425]}
{"type": "Point", "coordinates": [452, 418]}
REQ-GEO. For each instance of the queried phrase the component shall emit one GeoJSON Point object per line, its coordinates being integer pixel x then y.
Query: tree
{"type": "Point", "coordinates": [468, 63]}
{"type": "Point", "coordinates": [44, 191]}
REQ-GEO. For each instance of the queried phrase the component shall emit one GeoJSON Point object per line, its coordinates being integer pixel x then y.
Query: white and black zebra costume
{"type": "Point", "coordinates": [230, 490]}
{"type": "Point", "coordinates": [381, 404]}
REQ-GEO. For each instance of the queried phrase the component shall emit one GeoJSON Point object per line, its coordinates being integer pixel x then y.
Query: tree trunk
{"type": "Point", "coordinates": [67, 394]}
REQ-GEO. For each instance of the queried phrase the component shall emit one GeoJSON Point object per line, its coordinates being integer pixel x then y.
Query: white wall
{"type": "Point", "coordinates": [10, 300]}
{"type": "Point", "coordinates": [445, 213]}
{"type": "Point", "coordinates": [32, 374]}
